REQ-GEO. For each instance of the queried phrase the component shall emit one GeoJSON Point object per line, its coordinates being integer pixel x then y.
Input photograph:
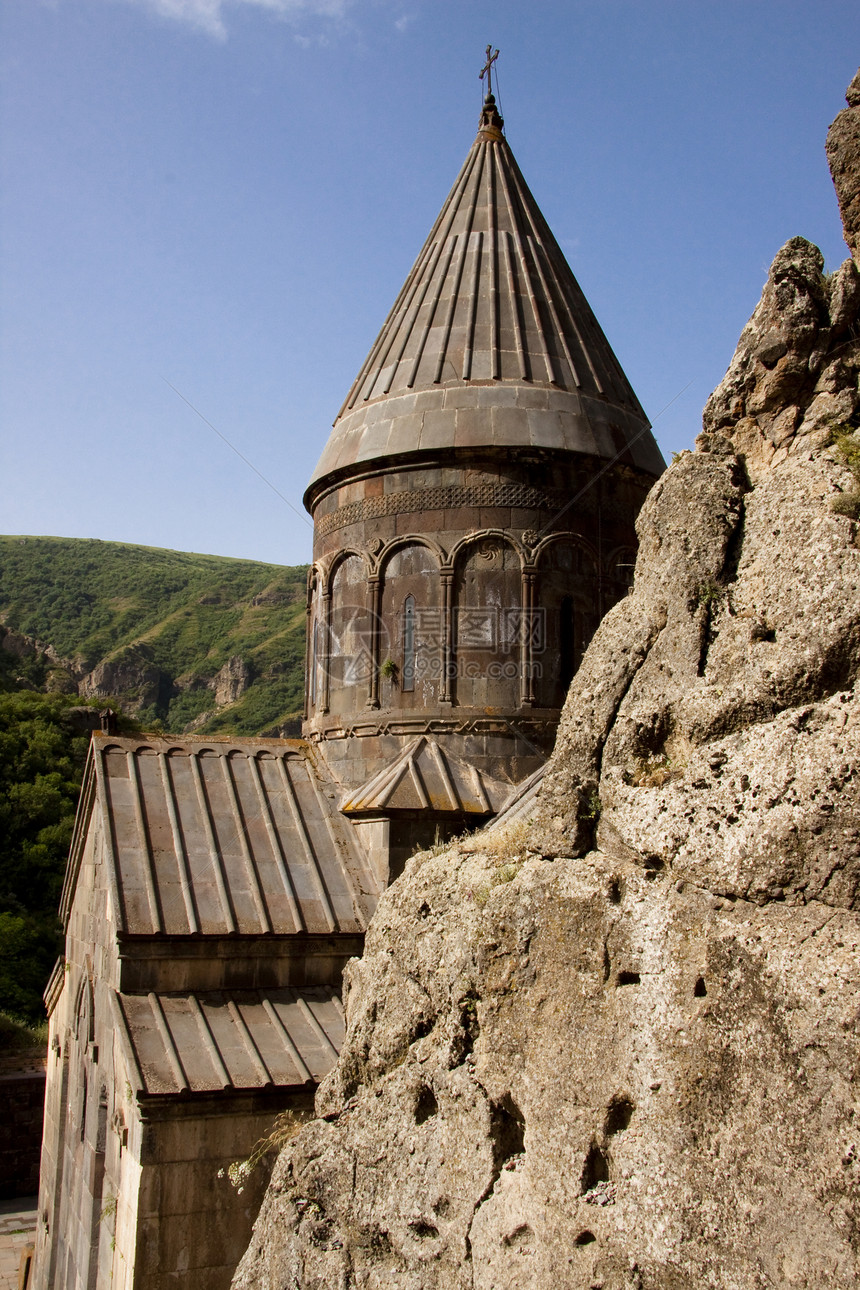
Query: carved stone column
{"type": "Point", "coordinates": [325, 643]}
{"type": "Point", "coordinates": [374, 589]}
{"type": "Point", "coordinates": [527, 680]}
{"type": "Point", "coordinates": [310, 661]}
{"type": "Point", "coordinates": [447, 577]}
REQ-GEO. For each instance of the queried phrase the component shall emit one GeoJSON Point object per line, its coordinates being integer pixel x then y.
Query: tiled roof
{"type": "Point", "coordinates": [490, 302]}
{"type": "Point", "coordinates": [249, 1039]}
{"type": "Point", "coordinates": [426, 778]}
{"type": "Point", "coordinates": [220, 837]}
{"type": "Point", "coordinates": [521, 805]}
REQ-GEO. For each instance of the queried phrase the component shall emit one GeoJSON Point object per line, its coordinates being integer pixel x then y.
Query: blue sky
{"type": "Point", "coordinates": [224, 196]}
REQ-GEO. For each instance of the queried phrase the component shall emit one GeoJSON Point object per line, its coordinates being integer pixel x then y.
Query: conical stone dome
{"type": "Point", "coordinates": [474, 508]}
{"type": "Point", "coordinates": [490, 343]}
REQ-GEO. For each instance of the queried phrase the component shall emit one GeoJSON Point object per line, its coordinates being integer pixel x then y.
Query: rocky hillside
{"type": "Point", "coordinates": [187, 642]}
{"type": "Point", "coordinates": [618, 1048]}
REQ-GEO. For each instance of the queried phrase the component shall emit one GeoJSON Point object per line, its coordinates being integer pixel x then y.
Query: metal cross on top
{"type": "Point", "coordinates": [487, 69]}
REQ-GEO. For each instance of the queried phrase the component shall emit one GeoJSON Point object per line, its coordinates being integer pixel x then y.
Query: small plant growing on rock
{"type": "Point", "coordinates": [654, 772]}
{"type": "Point", "coordinates": [662, 767]}
{"type": "Point", "coordinates": [709, 594]}
{"type": "Point", "coordinates": [508, 843]}
{"type": "Point", "coordinates": [848, 448]}
{"type": "Point", "coordinates": [590, 808]}
{"type": "Point", "coordinates": [846, 504]}
{"type": "Point", "coordinates": [506, 846]}
{"type": "Point", "coordinates": [284, 1129]}
{"type": "Point", "coordinates": [108, 1215]}
{"type": "Point", "coordinates": [388, 669]}
{"type": "Point", "coordinates": [481, 894]}
{"type": "Point", "coordinates": [440, 845]}
{"type": "Point", "coordinates": [505, 873]}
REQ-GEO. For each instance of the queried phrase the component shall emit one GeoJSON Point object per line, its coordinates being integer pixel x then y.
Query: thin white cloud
{"type": "Point", "coordinates": [210, 15]}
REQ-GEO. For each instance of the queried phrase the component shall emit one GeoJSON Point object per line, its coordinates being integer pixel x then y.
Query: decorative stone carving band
{"type": "Point", "coordinates": [619, 558]}
{"type": "Point", "coordinates": [445, 497]}
{"type": "Point", "coordinates": [532, 726]}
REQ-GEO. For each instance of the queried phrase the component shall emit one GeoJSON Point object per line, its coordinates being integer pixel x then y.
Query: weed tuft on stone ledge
{"type": "Point", "coordinates": [285, 1127]}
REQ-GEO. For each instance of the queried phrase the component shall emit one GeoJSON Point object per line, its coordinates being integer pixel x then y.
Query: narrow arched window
{"type": "Point", "coordinates": [84, 1106]}
{"type": "Point", "coordinates": [409, 643]}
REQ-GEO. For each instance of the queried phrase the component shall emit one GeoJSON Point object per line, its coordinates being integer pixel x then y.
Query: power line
{"type": "Point", "coordinates": [238, 453]}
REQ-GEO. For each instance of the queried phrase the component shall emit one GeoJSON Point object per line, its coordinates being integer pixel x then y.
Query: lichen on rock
{"type": "Point", "coordinates": [627, 1055]}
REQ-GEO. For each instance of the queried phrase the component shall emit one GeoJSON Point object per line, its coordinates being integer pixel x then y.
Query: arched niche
{"type": "Point", "coordinates": [84, 1031]}
{"type": "Point", "coordinates": [408, 541]}
{"type": "Point", "coordinates": [345, 661]}
{"type": "Point", "coordinates": [567, 601]}
{"type": "Point", "coordinates": [411, 637]}
{"type": "Point", "coordinates": [360, 569]}
{"type": "Point", "coordinates": [487, 624]}
{"type": "Point", "coordinates": [84, 1011]}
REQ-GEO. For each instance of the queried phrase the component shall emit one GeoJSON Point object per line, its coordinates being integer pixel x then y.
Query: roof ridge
{"type": "Point", "coordinates": [489, 199]}
{"type": "Point", "coordinates": [489, 301]}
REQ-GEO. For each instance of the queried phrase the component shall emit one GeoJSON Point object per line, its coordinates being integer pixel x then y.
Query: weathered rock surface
{"type": "Point", "coordinates": [231, 681]}
{"type": "Point", "coordinates": [619, 1048]}
{"type": "Point", "coordinates": [138, 682]}
{"type": "Point", "coordinates": [131, 676]}
{"type": "Point", "coordinates": [843, 155]}
{"type": "Point", "coordinates": [791, 381]}
{"type": "Point", "coordinates": [17, 644]}
{"type": "Point", "coordinates": [60, 673]}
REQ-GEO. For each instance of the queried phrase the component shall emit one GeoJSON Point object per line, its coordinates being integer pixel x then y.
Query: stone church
{"type": "Point", "coordinates": [473, 515]}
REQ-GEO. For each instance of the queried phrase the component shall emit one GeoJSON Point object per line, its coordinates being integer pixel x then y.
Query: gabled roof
{"type": "Point", "coordinates": [490, 302]}
{"type": "Point", "coordinates": [426, 778]}
{"type": "Point", "coordinates": [522, 802]}
{"type": "Point", "coordinates": [217, 1042]}
{"type": "Point", "coordinates": [221, 837]}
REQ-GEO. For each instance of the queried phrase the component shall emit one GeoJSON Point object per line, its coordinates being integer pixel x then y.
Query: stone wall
{"type": "Point", "coordinates": [508, 564]}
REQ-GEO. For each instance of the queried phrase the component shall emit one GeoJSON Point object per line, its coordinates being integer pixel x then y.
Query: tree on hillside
{"type": "Point", "coordinates": [42, 758]}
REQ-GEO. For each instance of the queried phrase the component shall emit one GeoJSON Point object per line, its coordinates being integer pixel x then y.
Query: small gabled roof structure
{"type": "Point", "coordinates": [209, 837]}
{"type": "Point", "coordinates": [491, 342]}
{"type": "Point", "coordinates": [427, 778]}
{"type": "Point", "coordinates": [522, 803]}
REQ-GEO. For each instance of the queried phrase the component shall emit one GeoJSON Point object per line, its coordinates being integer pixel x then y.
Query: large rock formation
{"type": "Point", "coordinates": [43, 664]}
{"type": "Point", "coordinates": [618, 1048]}
{"type": "Point", "coordinates": [843, 154]}
{"type": "Point", "coordinates": [131, 675]}
{"type": "Point", "coordinates": [231, 681]}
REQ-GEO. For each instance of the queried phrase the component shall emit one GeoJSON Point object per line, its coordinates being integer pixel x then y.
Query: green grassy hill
{"type": "Point", "coordinates": [153, 629]}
